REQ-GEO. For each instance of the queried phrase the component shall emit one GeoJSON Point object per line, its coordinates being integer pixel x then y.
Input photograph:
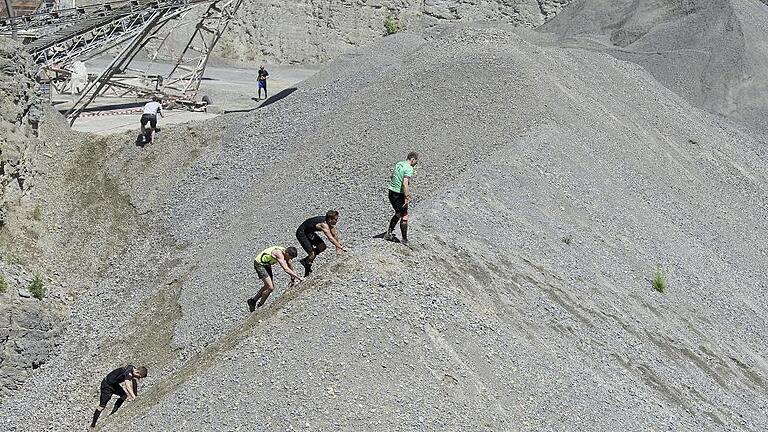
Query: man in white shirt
{"type": "Point", "coordinates": [151, 110]}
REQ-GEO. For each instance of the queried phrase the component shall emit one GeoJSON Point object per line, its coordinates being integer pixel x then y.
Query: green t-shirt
{"type": "Point", "coordinates": [402, 169]}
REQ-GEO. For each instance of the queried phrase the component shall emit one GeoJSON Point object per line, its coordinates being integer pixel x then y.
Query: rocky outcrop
{"type": "Point", "coordinates": [19, 114]}
{"type": "Point", "coordinates": [29, 329]}
{"type": "Point", "coordinates": [314, 31]}
{"type": "Point", "coordinates": [29, 326]}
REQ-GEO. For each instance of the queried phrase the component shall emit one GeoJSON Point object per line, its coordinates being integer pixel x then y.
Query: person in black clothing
{"type": "Point", "coordinates": [311, 241]}
{"type": "Point", "coordinates": [122, 382]}
{"type": "Point", "coordinates": [262, 81]}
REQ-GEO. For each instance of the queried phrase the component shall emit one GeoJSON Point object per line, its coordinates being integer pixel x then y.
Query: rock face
{"type": "Point", "coordinates": [28, 327]}
{"type": "Point", "coordinates": [314, 31]}
{"type": "Point", "coordinates": [19, 108]}
{"type": "Point", "coordinates": [29, 330]}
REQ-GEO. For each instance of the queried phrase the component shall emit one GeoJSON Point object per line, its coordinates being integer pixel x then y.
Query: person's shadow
{"type": "Point", "coordinates": [270, 100]}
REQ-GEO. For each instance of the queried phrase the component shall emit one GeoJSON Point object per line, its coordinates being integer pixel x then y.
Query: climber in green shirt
{"type": "Point", "coordinates": [399, 196]}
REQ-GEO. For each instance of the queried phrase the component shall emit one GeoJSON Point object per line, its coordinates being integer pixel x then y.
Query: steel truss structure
{"type": "Point", "coordinates": [84, 33]}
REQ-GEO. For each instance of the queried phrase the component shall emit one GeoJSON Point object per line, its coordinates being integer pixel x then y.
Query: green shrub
{"type": "Point", "coordinates": [659, 282]}
{"type": "Point", "coordinates": [391, 25]}
{"type": "Point", "coordinates": [36, 287]}
{"type": "Point", "coordinates": [37, 213]}
{"type": "Point", "coordinates": [3, 285]}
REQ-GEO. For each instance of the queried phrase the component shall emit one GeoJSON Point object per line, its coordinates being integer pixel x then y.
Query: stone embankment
{"type": "Point", "coordinates": [316, 31]}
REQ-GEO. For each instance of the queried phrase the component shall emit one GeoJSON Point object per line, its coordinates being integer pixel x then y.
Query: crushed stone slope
{"type": "Point", "coordinates": [492, 321]}
{"type": "Point", "coordinates": [712, 52]}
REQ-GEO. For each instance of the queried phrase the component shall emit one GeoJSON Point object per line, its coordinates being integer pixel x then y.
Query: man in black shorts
{"type": "Point", "coordinates": [311, 241]}
{"type": "Point", "coordinates": [122, 382]}
{"type": "Point", "coordinates": [151, 110]}
{"type": "Point", "coordinates": [400, 196]}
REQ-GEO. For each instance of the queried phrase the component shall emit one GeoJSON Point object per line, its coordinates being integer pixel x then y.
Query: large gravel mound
{"type": "Point", "coordinates": [553, 183]}
{"type": "Point", "coordinates": [712, 52]}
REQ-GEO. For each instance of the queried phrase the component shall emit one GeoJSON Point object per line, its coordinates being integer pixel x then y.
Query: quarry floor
{"type": "Point", "coordinates": [230, 89]}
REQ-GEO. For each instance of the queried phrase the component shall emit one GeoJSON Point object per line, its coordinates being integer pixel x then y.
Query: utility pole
{"type": "Point", "coordinates": [11, 14]}
{"type": "Point", "coordinates": [9, 9]}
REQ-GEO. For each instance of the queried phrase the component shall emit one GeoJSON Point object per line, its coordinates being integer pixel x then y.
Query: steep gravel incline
{"type": "Point", "coordinates": [553, 183]}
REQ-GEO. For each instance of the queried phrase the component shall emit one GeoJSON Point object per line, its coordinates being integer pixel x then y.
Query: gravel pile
{"type": "Point", "coordinates": [712, 52]}
{"type": "Point", "coordinates": [553, 183]}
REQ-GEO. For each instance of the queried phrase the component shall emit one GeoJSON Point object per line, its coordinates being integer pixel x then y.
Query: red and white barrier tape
{"type": "Point", "coordinates": [114, 112]}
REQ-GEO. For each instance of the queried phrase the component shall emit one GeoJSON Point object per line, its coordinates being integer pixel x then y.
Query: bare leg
{"type": "Point", "coordinates": [315, 252]}
{"type": "Point", "coordinates": [265, 291]}
{"type": "Point", "coordinates": [311, 257]}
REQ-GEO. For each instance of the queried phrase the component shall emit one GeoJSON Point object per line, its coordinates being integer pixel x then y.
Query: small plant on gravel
{"type": "Point", "coordinates": [391, 25]}
{"type": "Point", "coordinates": [659, 282]}
{"type": "Point", "coordinates": [567, 240]}
{"type": "Point", "coordinates": [37, 213]}
{"type": "Point", "coordinates": [13, 259]}
{"type": "Point", "coordinates": [3, 285]}
{"type": "Point", "coordinates": [36, 287]}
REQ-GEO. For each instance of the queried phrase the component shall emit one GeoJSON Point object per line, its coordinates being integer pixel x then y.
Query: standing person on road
{"type": "Point", "coordinates": [122, 382]}
{"type": "Point", "coordinates": [399, 196]}
{"type": "Point", "coordinates": [262, 81]}
{"type": "Point", "coordinates": [151, 110]}
{"type": "Point", "coordinates": [263, 266]}
{"type": "Point", "coordinates": [307, 236]}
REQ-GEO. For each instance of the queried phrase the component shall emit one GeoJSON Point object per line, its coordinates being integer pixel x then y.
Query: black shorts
{"type": "Point", "coordinates": [108, 390]}
{"type": "Point", "coordinates": [310, 241]}
{"type": "Point", "coordinates": [149, 118]}
{"type": "Point", "coordinates": [398, 203]}
{"type": "Point", "coordinates": [264, 271]}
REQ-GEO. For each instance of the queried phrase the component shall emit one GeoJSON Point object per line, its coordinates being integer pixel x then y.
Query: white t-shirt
{"type": "Point", "coordinates": [152, 108]}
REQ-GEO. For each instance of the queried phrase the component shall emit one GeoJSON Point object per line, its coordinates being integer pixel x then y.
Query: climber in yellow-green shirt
{"type": "Point", "coordinates": [263, 266]}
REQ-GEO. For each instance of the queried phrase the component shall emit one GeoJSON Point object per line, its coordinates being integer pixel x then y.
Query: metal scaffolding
{"type": "Point", "coordinates": [60, 38]}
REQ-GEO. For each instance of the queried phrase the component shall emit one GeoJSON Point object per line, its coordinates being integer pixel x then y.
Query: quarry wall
{"type": "Point", "coordinates": [314, 31]}
{"type": "Point", "coordinates": [28, 325]}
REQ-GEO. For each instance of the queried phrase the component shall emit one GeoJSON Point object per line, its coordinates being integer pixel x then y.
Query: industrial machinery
{"type": "Point", "coordinates": [60, 38]}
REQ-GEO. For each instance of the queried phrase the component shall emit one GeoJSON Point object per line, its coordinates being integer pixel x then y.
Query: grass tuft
{"type": "Point", "coordinates": [567, 240]}
{"type": "Point", "coordinates": [37, 287]}
{"type": "Point", "coordinates": [3, 285]}
{"type": "Point", "coordinates": [659, 282]}
{"type": "Point", "coordinates": [391, 25]}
